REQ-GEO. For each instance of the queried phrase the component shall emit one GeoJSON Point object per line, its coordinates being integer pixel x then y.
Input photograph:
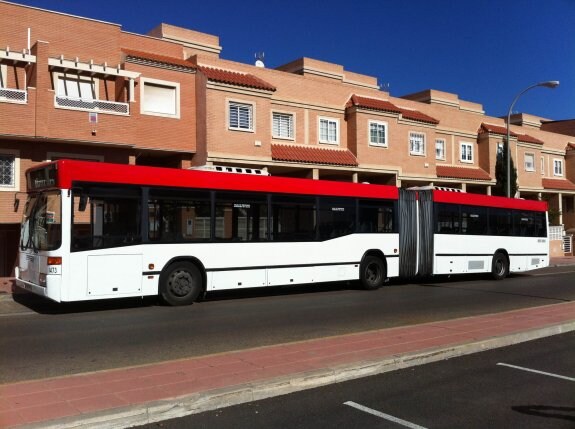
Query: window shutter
{"type": "Point", "coordinates": [159, 99]}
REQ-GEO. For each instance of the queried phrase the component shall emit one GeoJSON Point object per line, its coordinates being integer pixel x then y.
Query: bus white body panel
{"type": "Point", "coordinates": [97, 274]}
{"type": "Point", "coordinates": [455, 254]}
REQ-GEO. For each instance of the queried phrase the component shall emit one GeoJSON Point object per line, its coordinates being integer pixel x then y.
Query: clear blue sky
{"type": "Point", "coordinates": [486, 51]}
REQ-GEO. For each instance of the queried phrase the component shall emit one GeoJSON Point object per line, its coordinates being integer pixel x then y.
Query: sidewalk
{"type": "Point", "coordinates": [150, 393]}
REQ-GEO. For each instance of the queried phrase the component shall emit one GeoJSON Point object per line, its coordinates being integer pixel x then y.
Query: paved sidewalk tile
{"type": "Point", "coordinates": [43, 400]}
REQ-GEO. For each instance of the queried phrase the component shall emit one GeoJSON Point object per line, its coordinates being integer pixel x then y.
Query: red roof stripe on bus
{"type": "Point", "coordinates": [315, 155]}
{"type": "Point", "coordinates": [562, 184]}
{"type": "Point", "coordinates": [488, 201]}
{"type": "Point", "coordinates": [70, 171]}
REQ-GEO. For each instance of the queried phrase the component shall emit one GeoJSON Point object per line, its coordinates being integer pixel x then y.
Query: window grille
{"type": "Point", "coordinates": [7, 170]}
{"type": "Point", "coordinates": [241, 116]}
{"type": "Point", "coordinates": [417, 143]}
{"type": "Point", "coordinates": [283, 125]}
{"type": "Point", "coordinates": [439, 149]}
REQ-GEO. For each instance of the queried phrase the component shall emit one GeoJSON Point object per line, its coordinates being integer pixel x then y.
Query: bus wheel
{"type": "Point", "coordinates": [181, 284]}
{"type": "Point", "coordinates": [499, 266]}
{"type": "Point", "coordinates": [372, 273]}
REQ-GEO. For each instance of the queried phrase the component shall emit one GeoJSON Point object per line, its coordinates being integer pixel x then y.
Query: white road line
{"type": "Point", "coordinates": [538, 372]}
{"type": "Point", "coordinates": [383, 415]}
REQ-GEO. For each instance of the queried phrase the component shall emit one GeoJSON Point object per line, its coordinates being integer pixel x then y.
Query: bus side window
{"type": "Point", "coordinates": [448, 219]}
{"type": "Point", "coordinates": [294, 218]}
{"type": "Point", "coordinates": [241, 216]}
{"type": "Point", "coordinates": [177, 215]}
{"type": "Point", "coordinates": [376, 216]}
{"type": "Point", "coordinates": [113, 218]}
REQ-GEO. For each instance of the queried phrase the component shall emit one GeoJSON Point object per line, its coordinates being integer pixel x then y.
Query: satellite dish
{"type": "Point", "coordinates": [259, 59]}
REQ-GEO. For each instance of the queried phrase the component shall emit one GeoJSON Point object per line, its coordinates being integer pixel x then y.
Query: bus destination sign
{"type": "Point", "coordinates": [42, 178]}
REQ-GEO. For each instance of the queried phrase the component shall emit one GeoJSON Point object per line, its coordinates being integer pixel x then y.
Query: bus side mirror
{"type": "Point", "coordinates": [83, 203]}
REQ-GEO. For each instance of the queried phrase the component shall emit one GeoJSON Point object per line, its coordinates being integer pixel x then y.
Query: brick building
{"type": "Point", "coordinates": [75, 87]}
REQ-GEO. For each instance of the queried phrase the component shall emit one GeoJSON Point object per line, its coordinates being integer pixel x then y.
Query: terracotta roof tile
{"type": "Point", "coordinates": [236, 78]}
{"type": "Point", "coordinates": [313, 155]}
{"type": "Point", "coordinates": [494, 129]}
{"type": "Point", "coordinates": [386, 106]}
{"type": "Point", "coordinates": [162, 59]}
{"type": "Point", "coordinates": [570, 146]}
{"type": "Point", "coordinates": [451, 172]}
{"type": "Point", "coordinates": [529, 139]}
{"type": "Point", "coordinates": [372, 103]}
{"type": "Point", "coordinates": [562, 184]}
{"type": "Point", "coordinates": [415, 115]}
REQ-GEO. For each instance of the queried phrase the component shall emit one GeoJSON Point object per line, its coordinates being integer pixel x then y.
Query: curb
{"type": "Point", "coordinates": [156, 411]}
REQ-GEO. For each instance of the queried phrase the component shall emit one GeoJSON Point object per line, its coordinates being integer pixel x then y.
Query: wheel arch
{"type": "Point", "coordinates": [377, 253]}
{"type": "Point", "coordinates": [504, 252]}
{"type": "Point", "coordinates": [190, 259]}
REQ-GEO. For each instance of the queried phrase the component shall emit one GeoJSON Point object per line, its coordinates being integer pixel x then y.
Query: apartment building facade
{"type": "Point", "coordinates": [73, 87]}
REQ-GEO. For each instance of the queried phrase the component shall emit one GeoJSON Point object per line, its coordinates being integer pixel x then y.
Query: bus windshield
{"type": "Point", "coordinates": [41, 227]}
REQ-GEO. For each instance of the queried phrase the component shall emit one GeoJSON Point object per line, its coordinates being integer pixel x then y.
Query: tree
{"type": "Point", "coordinates": [501, 174]}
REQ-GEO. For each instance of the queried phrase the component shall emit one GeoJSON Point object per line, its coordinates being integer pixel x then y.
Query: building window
{"type": "Point", "coordinates": [377, 133]}
{"type": "Point", "coordinates": [529, 162]}
{"type": "Point", "coordinates": [9, 171]}
{"type": "Point", "coordinates": [160, 98]}
{"type": "Point", "coordinates": [282, 125]}
{"type": "Point", "coordinates": [416, 143]}
{"type": "Point", "coordinates": [328, 131]}
{"type": "Point", "coordinates": [466, 153]}
{"type": "Point", "coordinates": [558, 167]}
{"type": "Point", "coordinates": [440, 149]}
{"type": "Point", "coordinates": [542, 165]}
{"type": "Point", "coordinates": [241, 116]}
{"type": "Point", "coordinates": [76, 87]}
{"type": "Point", "coordinates": [3, 75]}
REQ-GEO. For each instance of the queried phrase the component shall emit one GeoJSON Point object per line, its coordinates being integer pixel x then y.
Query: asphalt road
{"type": "Point", "coordinates": [528, 386]}
{"type": "Point", "coordinates": [39, 339]}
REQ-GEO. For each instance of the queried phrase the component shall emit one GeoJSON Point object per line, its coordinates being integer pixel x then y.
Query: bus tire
{"type": "Point", "coordinates": [372, 272]}
{"type": "Point", "coordinates": [181, 284]}
{"type": "Point", "coordinates": [499, 266]}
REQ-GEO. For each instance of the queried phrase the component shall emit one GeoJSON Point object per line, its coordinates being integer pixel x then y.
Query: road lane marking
{"type": "Point", "coordinates": [383, 415]}
{"type": "Point", "coordinates": [537, 372]}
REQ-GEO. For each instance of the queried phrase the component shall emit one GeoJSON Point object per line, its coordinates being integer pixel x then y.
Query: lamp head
{"type": "Point", "coordinates": [550, 84]}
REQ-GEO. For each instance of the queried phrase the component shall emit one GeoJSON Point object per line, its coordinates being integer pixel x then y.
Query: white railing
{"type": "Point", "coordinates": [556, 232]}
{"type": "Point", "coordinates": [13, 95]}
{"type": "Point", "coordinates": [100, 106]}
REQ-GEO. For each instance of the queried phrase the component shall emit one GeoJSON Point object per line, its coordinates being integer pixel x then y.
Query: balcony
{"type": "Point", "coordinates": [99, 106]}
{"type": "Point", "coordinates": [18, 96]}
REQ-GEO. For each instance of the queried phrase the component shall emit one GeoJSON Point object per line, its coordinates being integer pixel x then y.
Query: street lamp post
{"type": "Point", "coordinates": [547, 84]}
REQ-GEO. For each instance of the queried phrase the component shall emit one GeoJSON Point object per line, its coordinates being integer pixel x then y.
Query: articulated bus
{"type": "Point", "coordinates": [97, 231]}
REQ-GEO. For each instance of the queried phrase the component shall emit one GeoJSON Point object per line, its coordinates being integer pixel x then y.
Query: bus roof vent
{"type": "Point", "coordinates": [228, 169]}
{"type": "Point", "coordinates": [437, 188]}
{"type": "Point", "coordinates": [442, 188]}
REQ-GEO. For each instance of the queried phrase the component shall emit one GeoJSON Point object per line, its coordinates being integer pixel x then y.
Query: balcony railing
{"type": "Point", "coordinates": [9, 95]}
{"type": "Point", "coordinates": [100, 106]}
